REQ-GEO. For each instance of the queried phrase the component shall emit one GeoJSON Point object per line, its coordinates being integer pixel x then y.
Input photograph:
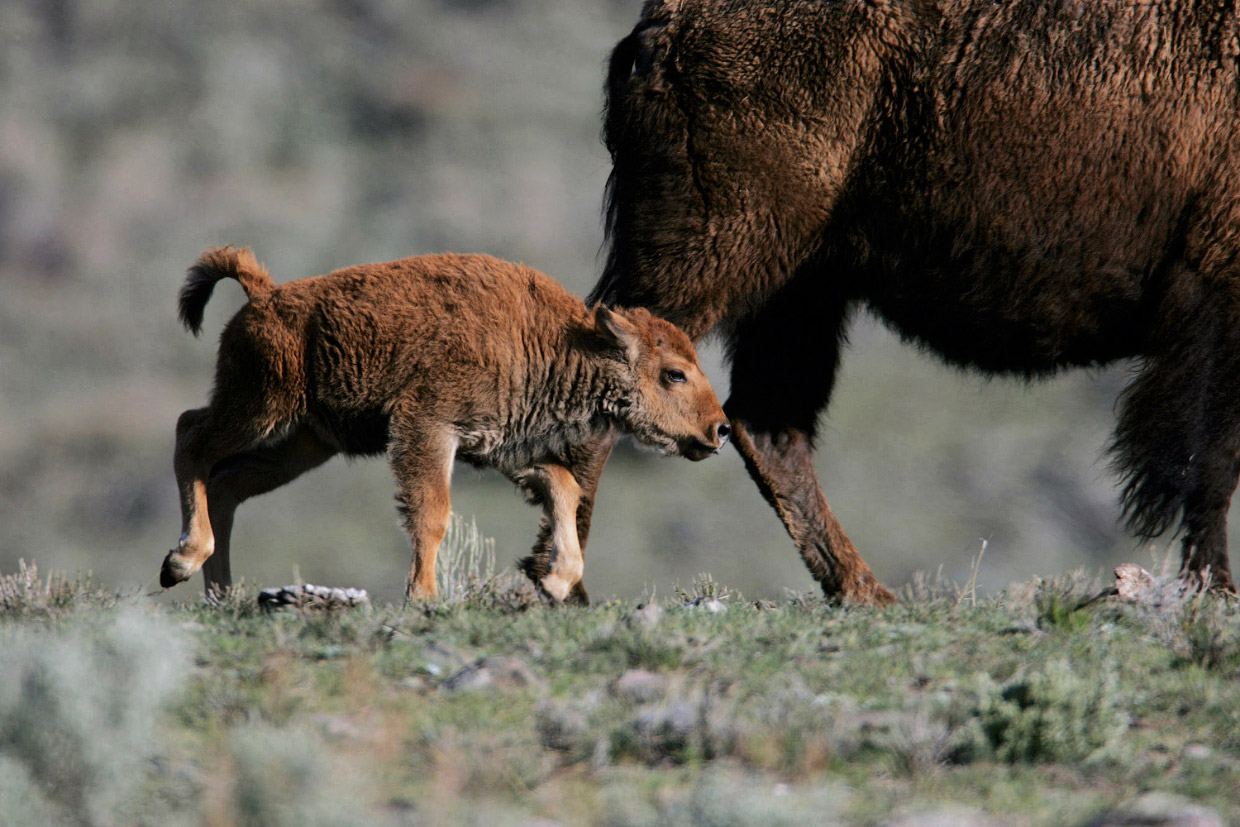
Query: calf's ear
{"type": "Point", "coordinates": [618, 332]}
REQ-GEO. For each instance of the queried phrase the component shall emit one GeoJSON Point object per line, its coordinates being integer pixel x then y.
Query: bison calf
{"type": "Point", "coordinates": [430, 359]}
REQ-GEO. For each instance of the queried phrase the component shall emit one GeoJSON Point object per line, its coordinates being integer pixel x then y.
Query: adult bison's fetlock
{"type": "Point", "coordinates": [866, 592]}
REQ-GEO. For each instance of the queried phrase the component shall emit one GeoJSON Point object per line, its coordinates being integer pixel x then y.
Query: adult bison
{"type": "Point", "coordinates": [1020, 186]}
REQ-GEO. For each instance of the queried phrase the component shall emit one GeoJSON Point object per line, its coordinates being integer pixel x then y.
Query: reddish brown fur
{"type": "Point", "coordinates": [428, 359]}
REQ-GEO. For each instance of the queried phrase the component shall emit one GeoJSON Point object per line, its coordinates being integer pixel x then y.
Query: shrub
{"type": "Point", "coordinates": [1050, 715]}
{"type": "Point", "coordinates": [283, 777]}
{"type": "Point", "coordinates": [78, 707]}
{"type": "Point", "coordinates": [24, 593]}
{"type": "Point", "coordinates": [466, 561]}
{"type": "Point", "coordinates": [1063, 604]}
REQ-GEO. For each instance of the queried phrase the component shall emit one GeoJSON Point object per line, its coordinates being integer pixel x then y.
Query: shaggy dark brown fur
{"type": "Point", "coordinates": [1019, 187]}
{"type": "Point", "coordinates": [430, 359]}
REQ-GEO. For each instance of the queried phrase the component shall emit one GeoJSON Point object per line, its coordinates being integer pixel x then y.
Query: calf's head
{"type": "Point", "coordinates": [661, 395]}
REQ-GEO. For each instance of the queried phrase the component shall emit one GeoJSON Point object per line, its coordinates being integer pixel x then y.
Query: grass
{"type": "Point", "coordinates": [1035, 706]}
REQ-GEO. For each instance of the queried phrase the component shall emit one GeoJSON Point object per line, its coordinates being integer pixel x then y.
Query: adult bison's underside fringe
{"type": "Point", "coordinates": [1019, 187]}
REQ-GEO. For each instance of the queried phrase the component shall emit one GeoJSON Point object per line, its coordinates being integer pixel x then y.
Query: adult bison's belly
{"type": "Point", "coordinates": [1025, 310]}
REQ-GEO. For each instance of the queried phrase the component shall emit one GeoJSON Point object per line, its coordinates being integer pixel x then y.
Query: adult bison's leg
{"type": "Point", "coordinates": [781, 463]}
{"type": "Point", "coordinates": [585, 463]}
{"type": "Point", "coordinates": [238, 478]}
{"type": "Point", "coordinates": [783, 369]}
{"type": "Point", "coordinates": [1178, 437]}
{"type": "Point", "coordinates": [421, 459]}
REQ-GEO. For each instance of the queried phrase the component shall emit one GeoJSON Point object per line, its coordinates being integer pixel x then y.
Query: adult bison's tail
{"type": "Point", "coordinates": [213, 265]}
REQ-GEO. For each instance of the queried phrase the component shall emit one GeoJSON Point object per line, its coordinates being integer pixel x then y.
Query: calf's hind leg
{"type": "Point", "coordinates": [240, 477]}
{"type": "Point", "coordinates": [203, 439]}
{"type": "Point", "coordinates": [421, 459]}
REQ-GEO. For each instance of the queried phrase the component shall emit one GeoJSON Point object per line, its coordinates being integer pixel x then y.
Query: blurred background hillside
{"type": "Point", "coordinates": [330, 132]}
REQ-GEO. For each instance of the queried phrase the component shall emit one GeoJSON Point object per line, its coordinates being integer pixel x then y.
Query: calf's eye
{"type": "Point", "coordinates": [673, 375]}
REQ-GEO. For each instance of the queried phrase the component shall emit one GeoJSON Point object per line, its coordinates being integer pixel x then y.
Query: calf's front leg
{"type": "Point", "coordinates": [421, 460]}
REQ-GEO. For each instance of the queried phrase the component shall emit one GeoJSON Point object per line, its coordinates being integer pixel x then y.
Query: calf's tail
{"type": "Point", "coordinates": [213, 265]}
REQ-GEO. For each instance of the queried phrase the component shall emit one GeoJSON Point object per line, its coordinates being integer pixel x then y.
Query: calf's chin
{"type": "Point", "coordinates": [695, 450]}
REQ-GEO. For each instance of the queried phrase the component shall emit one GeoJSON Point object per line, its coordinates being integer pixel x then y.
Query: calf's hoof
{"type": "Point", "coordinates": [174, 570]}
{"type": "Point", "coordinates": [557, 589]}
{"type": "Point", "coordinates": [415, 593]}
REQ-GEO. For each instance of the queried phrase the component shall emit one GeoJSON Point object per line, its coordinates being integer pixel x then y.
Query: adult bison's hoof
{"type": "Point", "coordinates": [1215, 584]}
{"type": "Point", "coordinates": [867, 593]}
{"type": "Point", "coordinates": [878, 595]}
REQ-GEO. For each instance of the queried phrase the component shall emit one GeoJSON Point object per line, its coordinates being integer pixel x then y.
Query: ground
{"type": "Point", "coordinates": [1037, 706]}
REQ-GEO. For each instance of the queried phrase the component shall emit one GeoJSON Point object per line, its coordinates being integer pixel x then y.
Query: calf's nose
{"type": "Point", "coordinates": [721, 432]}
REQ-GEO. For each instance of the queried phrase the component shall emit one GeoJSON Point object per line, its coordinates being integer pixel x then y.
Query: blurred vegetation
{"type": "Point", "coordinates": [329, 132]}
{"type": "Point", "coordinates": [493, 708]}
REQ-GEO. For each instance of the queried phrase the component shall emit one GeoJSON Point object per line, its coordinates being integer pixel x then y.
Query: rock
{"type": "Point", "coordinates": [307, 596]}
{"type": "Point", "coordinates": [1198, 752]}
{"type": "Point", "coordinates": [646, 616]}
{"type": "Point", "coordinates": [493, 672]}
{"type": "Point", "coordinates": [950, 816]}
{"type": "Point", "coordinates": [707, 604]}
{"type": "Point", "coordinates": [674, 722]}
{"type": "Point", "coordinates": [415, 683]}
{"type": "Point", "coordinates": [1158, 809]}
{"type": "Point", "coordinates": [639, 686]}
{"type": "Point", "coordinates": [1136, 585]}
{"type": "Point", "coordinates": [1133, 582]}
